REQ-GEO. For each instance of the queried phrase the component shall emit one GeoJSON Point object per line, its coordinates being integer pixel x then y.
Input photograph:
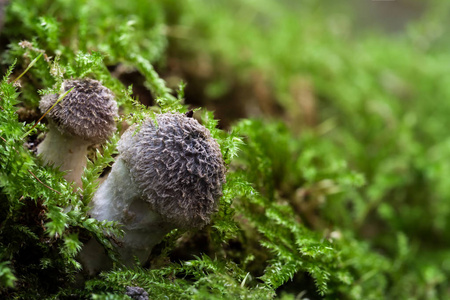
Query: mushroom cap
{"type": "Point", "coordinates": [88, 111]}
{"type": "Point", "coordinates": [177, 166]}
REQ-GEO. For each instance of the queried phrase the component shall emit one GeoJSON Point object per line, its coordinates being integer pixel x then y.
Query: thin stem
{"type": "Point", "coordinates": [43, 183]}
{"type": "Point", "coordinates": [40, 119]}
{"type": "Point", "coordinates": [29, 67]}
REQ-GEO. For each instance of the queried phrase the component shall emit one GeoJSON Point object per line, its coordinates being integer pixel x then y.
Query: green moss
{"type": "Point", "coordinates": [337, 183]}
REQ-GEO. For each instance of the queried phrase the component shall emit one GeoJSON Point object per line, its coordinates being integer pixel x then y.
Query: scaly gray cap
{"type": "Point", "coordinates": [88, 111]}
{"type": "Point", "coordinates": [177, 166]}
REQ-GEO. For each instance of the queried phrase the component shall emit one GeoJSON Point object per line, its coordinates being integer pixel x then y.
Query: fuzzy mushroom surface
{"type": "Point", "coordinates": [169, 174]}
{"type": "Point", "coordinates": [84, 117]}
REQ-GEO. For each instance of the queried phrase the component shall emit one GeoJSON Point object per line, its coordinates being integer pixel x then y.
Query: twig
{"type": "Point", "coordinates": [44, 183]}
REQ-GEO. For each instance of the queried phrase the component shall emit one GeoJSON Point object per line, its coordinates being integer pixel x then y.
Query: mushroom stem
{"type": "Point", "coordinates": [66, 152]}
{"type": "Point", "coordinates": [118, 199]}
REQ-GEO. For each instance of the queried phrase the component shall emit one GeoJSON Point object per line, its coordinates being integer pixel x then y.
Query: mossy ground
{"type": "Point", "coordinates": [335, 135]}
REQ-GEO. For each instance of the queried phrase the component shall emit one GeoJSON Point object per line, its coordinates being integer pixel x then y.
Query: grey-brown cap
{"type": "Point", "coordinates": [88, 111]}
{"type": "Point", "coordinates": [178, 168]}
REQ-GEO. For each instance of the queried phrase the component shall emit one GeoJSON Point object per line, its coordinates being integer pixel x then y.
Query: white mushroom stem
{"type": "Point", "coordinates": [118, 199]}
{"type": "Point", "coordinates": [66, 152]}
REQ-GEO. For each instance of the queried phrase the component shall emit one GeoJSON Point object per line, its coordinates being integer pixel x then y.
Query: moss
{"type": "Point", "coordinates": [335, 138]}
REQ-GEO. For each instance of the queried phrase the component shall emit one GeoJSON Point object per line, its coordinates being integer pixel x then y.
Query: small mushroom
{"type": "Point", "coordinates": [169, 174]}
{"type": "Point", "coordinates": [84, 117]}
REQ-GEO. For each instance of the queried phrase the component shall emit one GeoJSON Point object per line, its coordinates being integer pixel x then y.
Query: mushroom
{"type": "Point", "coordinates": [168, 174]}
{"type": "Point", "coordinates": [84, 117]}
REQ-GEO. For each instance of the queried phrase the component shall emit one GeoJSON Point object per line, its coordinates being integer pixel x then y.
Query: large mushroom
{"type": "Point", "coordinates": [84, 117]}
{"type": "Point", "coordinates": [169, 174]}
